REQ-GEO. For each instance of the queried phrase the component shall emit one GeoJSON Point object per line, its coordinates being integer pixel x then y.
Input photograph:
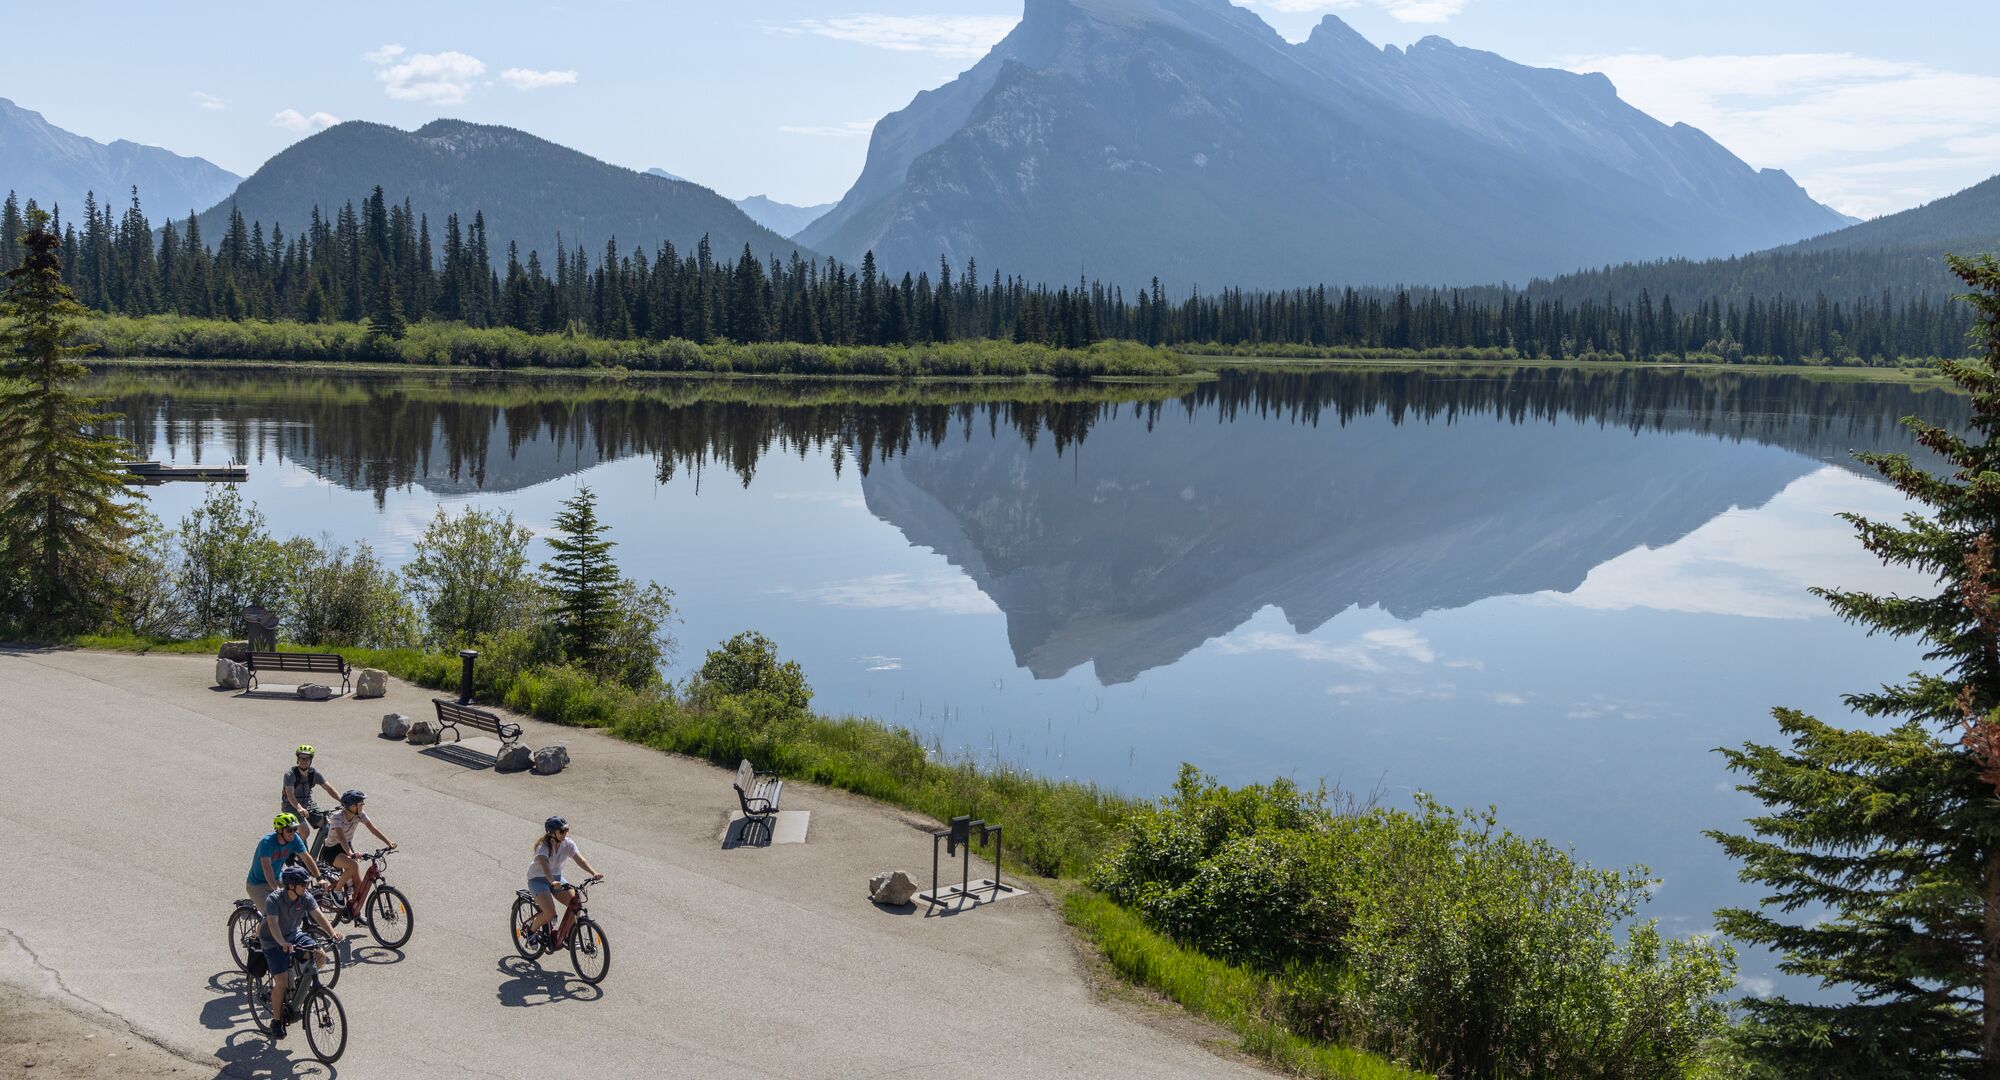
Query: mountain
{"type": "Point", "coordinates": [665, 175]}
{"type": "Point", "coordinates": [1901, 255]}
{"type": "Point", "coordinates": [1186, 138]}
{"type": "Point", "coordinates": [781, 218]}
{"type": "Point", "coordinates": [532, 191]}
{"type": "Point", "coordinates": [56, 168]}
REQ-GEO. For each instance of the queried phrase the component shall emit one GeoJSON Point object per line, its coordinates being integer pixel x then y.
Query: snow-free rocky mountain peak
{"type": "Point", "coordinates": [1186, 139]}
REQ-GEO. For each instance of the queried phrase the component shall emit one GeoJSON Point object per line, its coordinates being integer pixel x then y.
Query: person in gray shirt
{"type": "Point", "coordinates": [283, 939]}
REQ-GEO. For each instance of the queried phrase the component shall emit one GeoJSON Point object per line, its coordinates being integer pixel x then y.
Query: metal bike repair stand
{"type": "Point", "coordinates": [958, 841]}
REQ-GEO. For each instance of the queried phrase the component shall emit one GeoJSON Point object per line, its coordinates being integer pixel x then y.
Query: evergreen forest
{"type": "Point", "coordinates": [380, 264]}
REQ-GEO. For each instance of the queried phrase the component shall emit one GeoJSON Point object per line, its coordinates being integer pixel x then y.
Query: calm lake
{"type": "Point", "coordinates": [1551, 591]}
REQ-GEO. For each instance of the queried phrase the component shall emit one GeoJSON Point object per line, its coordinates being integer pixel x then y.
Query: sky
{"type": "Point", "coordinates": [1872, 107]}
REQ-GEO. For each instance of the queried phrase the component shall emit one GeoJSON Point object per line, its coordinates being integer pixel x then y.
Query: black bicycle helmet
{"type": "Point", "coordinates": [554, 823]}
{"type": "Point", "coordinates": [352, 796]}
{"type": "Point", "coordinates": [295, 875]}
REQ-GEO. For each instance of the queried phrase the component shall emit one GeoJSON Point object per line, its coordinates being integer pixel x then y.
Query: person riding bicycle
{"type": "Point", "coordinates": [545, 880]}
{"type": "Point", "coordinates": [275, 852]}
{"type": "Point", "coordinates": [297, 794]}
{"type": "Point", "coordinates": [341, 826]}
{"type": "Point", "coordinates": [283, 938]}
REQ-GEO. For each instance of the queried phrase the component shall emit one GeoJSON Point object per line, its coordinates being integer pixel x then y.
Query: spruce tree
{"type": "Point", "coordinates": [65, 514]}
{"type": "Point", "coordinates": [584, 581]}
{"type": "Point", "coordinates": [1880, 851]}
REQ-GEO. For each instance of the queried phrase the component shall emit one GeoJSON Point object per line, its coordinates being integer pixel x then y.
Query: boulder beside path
{"type": "Point", "coordinates": [891, 888]}
{"type": "Point", "coordinates": [551, 759]}
{"type": "Point", "coordinates": [514, 759]}
{"type": "Point", "coordinates": [238, 651]}
{"type": "Point", "coordinates": [313, 691]}
{"type": "Point", "coordinates": [371, 683]}
{"type": "Point", "coordinates": [422, 732]}
{"type": "Point", "coordinates": [231, 674]}
{"type": "Point", "coordinates": [395, 725]}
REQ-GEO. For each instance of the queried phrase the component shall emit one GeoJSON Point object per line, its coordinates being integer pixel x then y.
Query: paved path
{"type": "Point", "coordinates": [131, 794]}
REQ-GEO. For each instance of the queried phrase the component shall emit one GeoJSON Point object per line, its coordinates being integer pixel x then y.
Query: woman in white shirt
{"type": "Point", "coordinates": [341, 827]}
{"type": "Point", "coordinates": [545, 880]}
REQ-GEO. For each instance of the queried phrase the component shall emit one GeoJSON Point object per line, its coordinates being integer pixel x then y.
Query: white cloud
{"type": "Point", "coordinates": [1429, 12]}
{"type": "Point", "coordinates": [968, 36]}
{"type": "Point", "coordinates": [851, 129]}
{"type": "Point", "coordinates": [209, 101]}
{"type": "Point", "coordinates": [880, 663]}
{"type": "Point", "coordinates": [939, 592]}
{"type": "Point", "coordinates": [1868, 136]}
{"type": "Point", "coordinates": [295, 120]}
{"type": "Point", "coordinates": [433, 78]}
{"type": "Point", "coordinates": [528, 79]}
{"type": "Point", "coordinates": [383, 55]}
{"type": "Point", "coordinates": [1506, 697]}
{"type": "Point", "coordinates": [1756, 563]}
{"type": "Point", "coordinates": [1366, 653]}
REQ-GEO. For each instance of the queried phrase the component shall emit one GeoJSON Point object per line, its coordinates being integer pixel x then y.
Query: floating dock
{"type": "Point", "coordinates": [152, 472]}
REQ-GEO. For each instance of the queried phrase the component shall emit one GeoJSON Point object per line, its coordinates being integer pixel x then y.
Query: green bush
{"type": "Point", "coordinates": [1429, 934]}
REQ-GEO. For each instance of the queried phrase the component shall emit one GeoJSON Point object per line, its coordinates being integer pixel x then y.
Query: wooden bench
{"type": "Point", "coordinates": [451, 715]}
{"type": "Point", "coordinates": [308, 663]}
{"type": "Point", "coordinates": [758, 794]}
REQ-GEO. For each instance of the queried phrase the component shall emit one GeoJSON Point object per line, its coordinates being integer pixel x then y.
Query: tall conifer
{"type": "Point", "coordinates": [1880, 850]}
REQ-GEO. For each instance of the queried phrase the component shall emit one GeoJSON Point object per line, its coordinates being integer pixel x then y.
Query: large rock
{"type": "Point", "coordinates": [238, 651]}
{"type": "Point", "coordinates": [515, 759]}
{"type": "Point", "coordinates": [231, 674]}
{"type": "Point", "coordinates": [395, 725]}
{"type": "Point", "coordinates": [371, 683]}
{"type": "Point", "coordinates": [313, 691]}
{"type": "Point", "coordinates": [423, 732]}
{"type": "Point", "coordinates": [891, 888]}
{"type": "Point", "coordinates": [551, 759]}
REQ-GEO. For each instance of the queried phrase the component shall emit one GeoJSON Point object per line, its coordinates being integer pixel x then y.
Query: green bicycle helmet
{"type": "Point", "coordinates": [285, 820]}
{"type": "Point", "coordinates": [305, 750]}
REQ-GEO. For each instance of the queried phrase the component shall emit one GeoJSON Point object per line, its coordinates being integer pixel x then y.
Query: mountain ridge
{"type": "Point", "coordinates": [531, 191]}
{"type": "Point", "coordinates": [1186, 138]}
{"type": "Point", "coordinates": [57, 167]}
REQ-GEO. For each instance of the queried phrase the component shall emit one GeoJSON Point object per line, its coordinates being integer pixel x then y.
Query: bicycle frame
{"type": "Point", "coordinates": [571, 915]}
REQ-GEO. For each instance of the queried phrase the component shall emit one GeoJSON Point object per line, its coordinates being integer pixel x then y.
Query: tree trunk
{"type": "Point", "coordinates": [1989, 1038]}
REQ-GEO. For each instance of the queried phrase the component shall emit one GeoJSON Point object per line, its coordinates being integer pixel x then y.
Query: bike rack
{"type": "Point", "coordinates": [958, 840]}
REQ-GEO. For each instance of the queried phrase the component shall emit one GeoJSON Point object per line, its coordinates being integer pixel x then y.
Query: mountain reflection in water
{"type": "Point", "coordinates": [1128, 545]}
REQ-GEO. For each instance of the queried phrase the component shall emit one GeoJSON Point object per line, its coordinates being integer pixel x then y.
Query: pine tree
{"type": "Point", "coordinates": [585, 581]}
{"type": "Point", "coordinates": [65, 515]}
{"type": "Point", "coordinates": [1895, 835]}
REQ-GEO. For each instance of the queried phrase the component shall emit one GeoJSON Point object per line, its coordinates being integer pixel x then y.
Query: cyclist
{"type": "Point", "coordinates": [297, 795]}
{"type": "Point", "coordinates": [545, 879]}
{"type": "Point", "coordinates": [341, 826]}
{"type": "Point", "coordinates": [274, 853]}
{"type": "Point", "coordinates": [283, 938]}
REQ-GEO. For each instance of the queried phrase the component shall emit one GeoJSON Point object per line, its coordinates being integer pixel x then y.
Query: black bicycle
{"type": "Point", "coordinates": [244, 922]}
{"type": "Point", "coordinates": [589, 949]}
{"type": "Point", "coordinates": [309, 1003]}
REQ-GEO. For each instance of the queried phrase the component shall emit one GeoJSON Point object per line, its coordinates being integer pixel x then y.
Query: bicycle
{"type": "Point", "coordinates": [382, 906]}
{"type": "Point", "coordinates": [244, 922]}
{"type": "Point", "coordinates": [309, 1002]}
{"type": "Point", "coordinates": [589, 949]}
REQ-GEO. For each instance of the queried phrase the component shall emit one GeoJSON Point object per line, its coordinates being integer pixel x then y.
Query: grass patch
{"type": "Point", "coordinates": [1215, 990]}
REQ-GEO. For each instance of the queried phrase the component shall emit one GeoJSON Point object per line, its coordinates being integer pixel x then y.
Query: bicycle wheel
{"type": "Point", "coordinates": [590, 951]}
{"type": "Point", "coordinates": [517, 927]}
{"type": "Point", "coordinates": [258, 993]}
{"type": "Point", "coordinates": [329, 956]}
{"type": "Point", "coordinates": [242, 937]}
{"type": "Point", "coordinates": [389, 917]}
{"type": "Point", "coordinates": [325, 1022]}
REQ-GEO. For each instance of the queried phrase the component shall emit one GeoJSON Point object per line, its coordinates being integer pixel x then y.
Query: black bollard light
{"type": "Point", "coordinates": [465, 659]}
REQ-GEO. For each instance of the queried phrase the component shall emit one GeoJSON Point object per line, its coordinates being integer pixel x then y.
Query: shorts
{"type": "Point", "coordinates": [334, 850]}
{"type": "Point", "coordinates": [540, 886]}
{"type": "Point", "coordinates": [280, 961]}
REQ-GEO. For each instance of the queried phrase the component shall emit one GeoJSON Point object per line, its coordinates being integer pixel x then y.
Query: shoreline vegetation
{"type": "Point", "coordinates": [175, 340]}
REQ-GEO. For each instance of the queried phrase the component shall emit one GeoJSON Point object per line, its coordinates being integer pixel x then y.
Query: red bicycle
{"type": "Point", "coordinates": [589, 949]}
{"type": "Point", "coordinates": [376, 903]}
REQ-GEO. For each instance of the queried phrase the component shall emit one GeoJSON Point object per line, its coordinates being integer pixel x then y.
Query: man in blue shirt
{"type": "Point", "coordinates": [275, 850]}
{"type": "Point", "coordinates": [283, 938]}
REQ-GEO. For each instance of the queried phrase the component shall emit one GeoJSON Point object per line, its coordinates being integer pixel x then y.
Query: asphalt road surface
{"type": "Point", "coordinates": [132, 793]}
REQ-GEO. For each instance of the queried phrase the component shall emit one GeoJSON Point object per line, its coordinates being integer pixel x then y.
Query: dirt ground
{"type": "Point", "coordinates": [41, 1040]}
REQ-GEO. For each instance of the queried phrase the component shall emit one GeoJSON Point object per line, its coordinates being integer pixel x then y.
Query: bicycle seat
{"type": "Point", "coordinates": [246, 904]}
{"type": "Point", "coordinates": [522, 893]}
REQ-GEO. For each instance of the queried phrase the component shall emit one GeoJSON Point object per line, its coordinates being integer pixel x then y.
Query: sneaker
{"type": "Point", "coordinates": [277, 1031]}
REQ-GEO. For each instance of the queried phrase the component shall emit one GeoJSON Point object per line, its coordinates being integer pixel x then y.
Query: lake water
{"type": "Point", "coordinates": [1550, 591]}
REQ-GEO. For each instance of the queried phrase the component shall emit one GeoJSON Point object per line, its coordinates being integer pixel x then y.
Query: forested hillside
{"type": "Point", "coordinates": [375, 264]}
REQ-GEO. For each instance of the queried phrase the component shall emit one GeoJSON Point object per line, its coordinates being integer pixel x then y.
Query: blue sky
{"type": "Point", "coordinates": [1874, 107]}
